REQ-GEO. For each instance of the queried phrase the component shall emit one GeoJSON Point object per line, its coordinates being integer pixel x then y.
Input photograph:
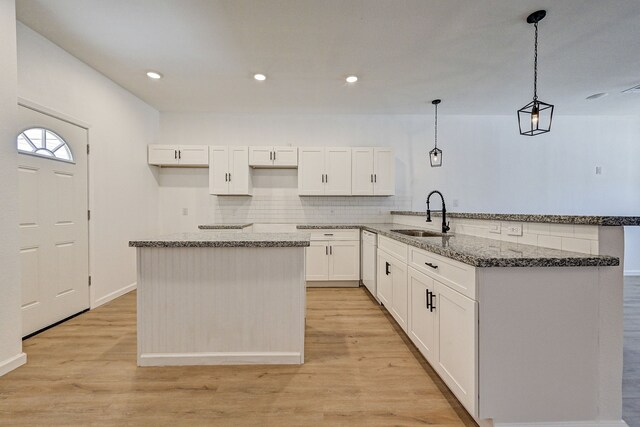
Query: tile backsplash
{"type": "Point", "coordinates": [289, 208]}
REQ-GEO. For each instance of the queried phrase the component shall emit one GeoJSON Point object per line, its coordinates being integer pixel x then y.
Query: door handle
{"type": "Point", "coordinates": [427, 297]}
{"type": "Point", "coordinates": [386, 268]}
{"type": "Point", "coordinates": [270, 155]}
{"type": "Point", "coordinates": [431, 265]}
{"type": "Point", "coordinates": [330, 250]}
{"type": "Point", "coordinates": [371, 177]}
{"type": "Point", "coordinates": [179, 154]}
{"type": "Point", "coordinates": [225, 177]}
{"type": "Point", "coordinates": [375, 177]}
{"type": "Point", "coordinates": [274, 155]}
{"type": "Point", "coordinates": [326, 178]}
{"type": "Point", "coordinates": [322, 178]}
{"type": "Point", "coordinates": [175, 154]}
{"type": "Point", "coordinates": [229, 176]}
{"type": "Point", "coordinates": [431, 306]}
{"type": "Point", "coordinates": [326, 250]}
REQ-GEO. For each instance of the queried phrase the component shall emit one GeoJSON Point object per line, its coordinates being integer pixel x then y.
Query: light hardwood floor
{"type": "Point", "coordinates": [631, 372]}
{"type": "Point", "coordinates": [360, 370]}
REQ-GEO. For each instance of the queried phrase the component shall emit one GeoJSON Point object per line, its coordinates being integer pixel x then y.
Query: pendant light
{"type": "Point", "coordinates": [535, 117]}
{"type": "Point", "coordinates": [435, 155]}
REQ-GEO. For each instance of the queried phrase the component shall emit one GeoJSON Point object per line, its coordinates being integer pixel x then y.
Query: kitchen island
{"type": "Point", "coordinates": [213, 298]}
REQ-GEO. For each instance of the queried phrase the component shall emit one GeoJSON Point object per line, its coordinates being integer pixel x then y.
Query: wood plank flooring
{"type": "Point", "coordinates": [631, 372]}
{"type": "Point", "coordinates": [360, 370]}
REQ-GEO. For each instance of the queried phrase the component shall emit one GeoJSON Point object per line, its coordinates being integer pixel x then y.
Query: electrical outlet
{"type": "Point", "coordinates": [598, 170]}
{"type": "Point", "coordinates": [185, 211]}
{"type": "Point", "coordinates": [494, 228]}
{"type": "Point", "coordinates": [514, 230]}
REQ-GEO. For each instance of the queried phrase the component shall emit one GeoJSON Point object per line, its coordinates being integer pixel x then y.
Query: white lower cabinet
{"type": "Point", "coordinates": [443, 324]}
{"type": "Point", "coordinates": [336, 258]}
{"type": "Point", "coordinates": [424, 300]}
{"type": "Point", "coordinates": [392, 286]}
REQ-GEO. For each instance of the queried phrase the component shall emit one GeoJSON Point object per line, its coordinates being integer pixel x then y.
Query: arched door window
{"type": "Point", "coordinates": [45, 143]}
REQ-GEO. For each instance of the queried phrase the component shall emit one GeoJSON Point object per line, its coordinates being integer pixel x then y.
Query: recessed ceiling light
{"type": "Point", "coordinates": [597, 95]}
{"type": "Point", "coordinates": [154, 75]}
{"type": "Point", "coordinates": [260, 77]}
{"type": "Point", "coordinates": [352, 79]}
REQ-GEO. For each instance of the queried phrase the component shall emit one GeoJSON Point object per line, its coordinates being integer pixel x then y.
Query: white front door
{"type": "Point", "coordinates": [54, 234]}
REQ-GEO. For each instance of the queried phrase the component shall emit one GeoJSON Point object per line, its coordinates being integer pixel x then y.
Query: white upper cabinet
{"type": "Point", "coordinates": [273, 157]}
{"type": "Point", "coordinates": [324, 171]}
{"type": "Point", "coordinates": [229, 170]}
{"type": "Point", "coordinates": [373, 171]}
{"type": "Point", "coordinates": [178, 155]}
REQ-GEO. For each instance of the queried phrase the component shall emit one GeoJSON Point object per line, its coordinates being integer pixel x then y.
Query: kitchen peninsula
{"type": "Point", "coordinates": [213, 298]}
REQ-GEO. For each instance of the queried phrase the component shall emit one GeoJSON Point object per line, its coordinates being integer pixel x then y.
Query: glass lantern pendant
{"type": "Point", "coordinates": [535, 117]}
{"type": "Point", "coordinates": [435, 155]}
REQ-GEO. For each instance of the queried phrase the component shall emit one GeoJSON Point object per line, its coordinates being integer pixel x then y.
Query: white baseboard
{"type": "Point", "coordinates": [12, 363]}
{"type": "Point", "coordinates": [632, 272]}
{"type": "Point", "coordinates": [594, 423]}
{"type": "Point", "coordinates": [333, 284]}
{"type": "Point", "coordinates": [238, 358]}
{"type": "Point", "coordinates": [113, 295]}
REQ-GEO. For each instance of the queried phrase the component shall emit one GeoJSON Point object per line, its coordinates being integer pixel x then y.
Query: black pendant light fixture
{"type": "Point", "coordinates": [435, 155]}
{"type": "Point", "coordinates": [535, 117]}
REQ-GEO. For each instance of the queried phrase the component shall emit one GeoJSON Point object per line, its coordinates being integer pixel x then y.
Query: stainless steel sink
{"type": "Point", "coordinates": [420, 233]}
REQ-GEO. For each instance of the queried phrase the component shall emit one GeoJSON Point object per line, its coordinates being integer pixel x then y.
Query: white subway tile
{"type": "Point", "coordinates": [576, 245]}
{"type": "Point", "coordinates": [585, 231]}
{"type": "Point", "coordinates": [553, 242]}
{"type": "Point", "coordinates": [562, 230]}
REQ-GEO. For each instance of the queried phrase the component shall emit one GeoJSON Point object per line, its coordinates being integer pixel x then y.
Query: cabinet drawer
{"type": "Point", "coordinates": [393, 247]}
{"type": "Point", "coordinates": [329, 234]}
{"type": "Point", "coordinates": [456, 275]}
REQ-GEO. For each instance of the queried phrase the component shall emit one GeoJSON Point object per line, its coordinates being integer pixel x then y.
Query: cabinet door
{"type": "Point", "coordinates": [260, 156]}
{"type": "Point", "coordinates": [218, 170]}
{"type": "Point", "coordinates": [422, 319]}
{"type": "Point", "coordinates": [400, 293]}
{"type": "Point", "coordinates": [311, 171]}
{"type": "Point", "coordinates": [193, 155]}
{"type": "Point", "coordinates": [162, 155]}
{"type": "Point", "coordinates": [344, 260]}
{"type": "Point", "coordinates": [362, 171]}
{"type": "Point", "coordinates": [337, 171]}
{"type": "Point", "coordinates": [239, 178]}
{"type": "Point", "coordinates": [457, 354]}
{"type": "Point", "coordinates": [317, 266]}
{"type": "Point", "coordinates": [384, 172]}
{"type": "Point", "coordinates": [384, 286]}
{"type": "Point", "coordinates": [285, 156]}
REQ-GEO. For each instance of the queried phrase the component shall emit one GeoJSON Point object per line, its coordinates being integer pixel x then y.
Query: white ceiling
{"type": "Point", "coordinates": [477, 55]}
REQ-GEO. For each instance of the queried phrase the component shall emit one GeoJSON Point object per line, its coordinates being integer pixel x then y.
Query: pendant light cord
{"type": "Point", "coordinates": [436, 126]}
{"type": "Point", "coordinates": [535, 65]}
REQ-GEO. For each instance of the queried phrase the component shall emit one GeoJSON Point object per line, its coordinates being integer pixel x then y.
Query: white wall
{"type": "Point", "coordinates": [489, 167]}
{"type": "Point", "coordinates": [10, 317]}
{"type": "Point", "coordinates": [275, 198]}
{"type": "Point", "coordinates": [123, 189]}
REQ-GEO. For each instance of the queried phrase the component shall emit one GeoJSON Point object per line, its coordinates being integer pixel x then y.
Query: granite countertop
{"type": "Point", "coordinates": [482, 252]}
{"type": "Point", "coordinates": [224, 226]}
{"type": "Point", "coordinates": [221, 239]}
{"type": "Point", "coordinates": [557, 219]}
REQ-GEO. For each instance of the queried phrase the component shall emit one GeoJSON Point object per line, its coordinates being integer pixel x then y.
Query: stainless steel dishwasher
{"type": "Point", "coordinates": [369, 253]}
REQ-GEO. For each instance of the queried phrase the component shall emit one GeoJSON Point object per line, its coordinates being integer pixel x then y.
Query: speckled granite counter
{"type": "Point", "coordinates": [224, 226]}
{"type": "Point", "coordinates": [557, 219]}
{"type": "Point", "coordinates": [221, 239]}
{"type": "Point", "coordinates": [481, 252]}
